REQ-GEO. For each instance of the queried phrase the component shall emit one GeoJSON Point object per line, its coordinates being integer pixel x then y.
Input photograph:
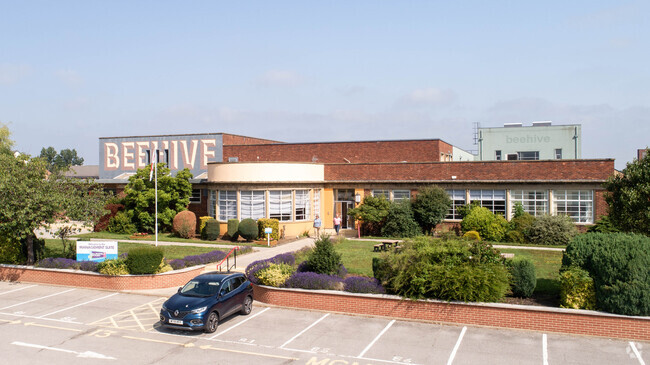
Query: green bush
{"type": "Point", "coordinates": [619, 264]}
{"type": "Point", "coordinates": [604, 225]}
{"type": "Point", "coordinates": [10, 251]}
{"type": "Point", "coordinates": [121, 223]}
{"type": "Point", "coordinates": [144, 260]}
{"type": "Point", "coordinates": [518, 227]}
{"type": "Point", "coordinates": [400, 221]}
{"type": "Point", "coordinates": [524, 278]}
{"type": "Point", "coordinates": [233, 229]}
{"type": "Point", "coordinates": [430, 207]}
{"type": "Point", "coordinates": [202, 221]}
{"type": "Point", "coordinates": [274, 224]}
{"type": "Point", "coordinates": [211, 230]}
{"type": "Point", "coordinates": [248, 229]}
{"type": "Point", "coordinates": [491, 227]}
{"type": "Point", "coordinates": [113, 267]}
{"type": "Point", "coordinates": [324, 259]}
{"type": "Point", "coordinates": [275, 274]}
{"type": "Point", "coordinates": [472, 235]}
{"type": "Point", "coordinates": [577, 289]}
{"type": "Point", "coordinates": [551, 230]}
{"type": "Point", "coordinates": [447, 270]}
{"type": "Point", "coordinates": [380, 269]}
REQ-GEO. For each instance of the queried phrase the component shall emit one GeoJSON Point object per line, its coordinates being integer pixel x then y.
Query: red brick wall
{"type": "Point", "coordinates": [483, 171]}
{"type": "Point", "coordinates": [98, 281]}
{"type": "Point", "coordinates": [231, 139]}
{"type": "Point", "coordinates": [491, 315]}
{"type": "Point", "coordinates": [600, 205]}
{"type": "Point", "coordinates": [335, 152]}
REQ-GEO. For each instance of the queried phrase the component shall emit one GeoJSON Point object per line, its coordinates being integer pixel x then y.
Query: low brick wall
{"type": "Point", "coordinates": [558, 320]}
{"type": "Point", "coordinates": [94, 280]}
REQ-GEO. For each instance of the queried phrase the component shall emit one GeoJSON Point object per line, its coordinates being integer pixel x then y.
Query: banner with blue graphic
{"type": "Point", "coordinates": [96, 250]}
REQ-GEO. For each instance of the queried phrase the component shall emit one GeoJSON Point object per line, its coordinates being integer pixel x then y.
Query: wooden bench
{"type": "Point", "coordinates": [377, 248]}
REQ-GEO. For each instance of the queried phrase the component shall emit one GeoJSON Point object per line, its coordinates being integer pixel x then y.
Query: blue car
{"type": "Point", "coordinates": [207, 299]}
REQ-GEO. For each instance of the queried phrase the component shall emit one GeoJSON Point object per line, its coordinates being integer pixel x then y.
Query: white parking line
{"type": "Point", "coordinates": [636, 353]}
{"type": "Point", "coordinates": [545, 349]}
{"type": "Point", "coordinates": [453, 352]}
{"type": "Point", "coordinates": [78, 305]}
{"type": "Point", "coordinates": [240, 323]}
{"type": "Point", "coordinates": [305, 330]}
{"type": "Point", "coordinates": [376, 338]}
{"type": "Point", "coordinates": [33, 300]}
{"type": "Point", "coordinates": [15, 290]}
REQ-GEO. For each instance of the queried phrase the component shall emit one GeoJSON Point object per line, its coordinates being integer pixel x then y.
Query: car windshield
{"type": "Point", "coordinates": [200, 288]}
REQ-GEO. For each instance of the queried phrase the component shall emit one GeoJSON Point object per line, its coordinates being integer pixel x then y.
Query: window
{"type": "Point", "coordinates": [280, 205]}
{"type": "Point", "coordinates": [528, 155]}
{"type": "Point", "coordinates": [577, 204]}
{"type": "Point", "coordinates": [252, 204]}
{"type": "Point", "coordinates": [227, 205]}
{"type": "Point", "coordinates": [497, 155]}
{"type": "Point", "coordinates": [558, 153]}
{"type": "Point", "coordinates": [494, 200]}
{"type": "Point", "coordinates": [458, 199]}
{"type": "Point", "coordinates": [167, 157]}
{"type": "Point", "coordinates": [384, 193]}
{"type": "Point", "coordinates": [212, 204]}
{"type": "Point", "coordinates": [401, 195]}
{"type": "Point", "coordinates": [302, 205]}
{"type": "Point", "coordinates": [196, 196]}
{"type": "Point", "coordinates": [233, 159]}
{"type": "Point", "coordinates": [535, 202]}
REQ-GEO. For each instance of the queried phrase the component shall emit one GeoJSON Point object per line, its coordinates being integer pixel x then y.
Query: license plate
{"type": "Point", "coordinates": [175, 321]}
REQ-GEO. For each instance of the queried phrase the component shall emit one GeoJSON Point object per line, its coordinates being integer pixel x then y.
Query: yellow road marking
{"type": "Point", "coordinates": [59, 328]}
{"type": "Point", "coordinates": [208, 347]}
{"type": "Point", "coordinates": [10, 321]}
{"type": "Point", "coordinates": [160, 341]}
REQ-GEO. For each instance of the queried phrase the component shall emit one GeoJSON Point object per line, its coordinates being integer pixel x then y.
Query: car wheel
{"type": "Point", "coordinates": [212, 322]}
{"type": "Point", "coordinates": [247, 307]}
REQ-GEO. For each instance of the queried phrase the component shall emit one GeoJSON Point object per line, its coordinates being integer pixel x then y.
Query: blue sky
{"type": "Point", "coordinates": [306, 71]}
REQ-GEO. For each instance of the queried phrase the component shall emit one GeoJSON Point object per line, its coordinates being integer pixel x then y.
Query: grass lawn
{"type": "Point", "coordinates": [162, 237]}
{"type": "Point", "coordinates": [357, 256]}
{"type": "Point", "coordinates": [547, 267]}
{"type": "Point", "coordinates": [53, 248]}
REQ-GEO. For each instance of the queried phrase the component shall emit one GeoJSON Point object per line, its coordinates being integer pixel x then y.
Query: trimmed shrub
{"type": "Point", "coordinates": [269, 223]}
{"type": "Point", "coordinates": [362, 284]}
{"type": "Point", "coordinates": [274, 274]}
{"type": "Point", "coordinates": [577, 289]}
{"type": "Point", "coordinates": [490, 227]}
{"type": "Point", "coordinates": [121, 223]}
{"type": "Point", "coordinates": [400, 221]}
{"type": "Point", "coordinates": [551, 230]}
{"type": "Point", "coordinates": [619, 264]}
{"type": "Point", "coordinates": [233, 229]}
{"type": "Point", "coordinates": [524, 278]}
{"type": "Point", "coordinates": [254, 267]}
{"type": "Point", "coordinates": [248, 229]}
{"type": "Point", "coordinates": [472, 236]}
{"type": "Point", "coordinates": [314, 281]}
{"type": "Point", "coordinates": [144, 260]}
{"type": "Point", "coordinates": [202, 221]}
{"type": "Point", "coordinates": [324, 259]}
{"type": "Point", "coordinates": [184, 224]}
{"type": "Point", "coordinates": [113, 267]}
{"type": "Point", "coordinates": [211, 230]}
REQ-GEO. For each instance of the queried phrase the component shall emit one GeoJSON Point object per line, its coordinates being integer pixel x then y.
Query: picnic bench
{"type": "Point", "coordinates": [385, 245]}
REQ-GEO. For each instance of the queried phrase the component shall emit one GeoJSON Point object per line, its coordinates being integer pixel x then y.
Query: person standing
{"type": "Point", "coordinates": [337, 223]}
{"type": "Point", "coordinates": [317, 224]}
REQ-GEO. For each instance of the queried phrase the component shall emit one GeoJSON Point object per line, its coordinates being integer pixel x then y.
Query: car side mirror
{"type": "Point", "coordinates": [179, 289]}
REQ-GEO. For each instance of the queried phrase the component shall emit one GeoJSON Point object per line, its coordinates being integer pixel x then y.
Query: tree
{"type": "Point", "coordinates": [6, 144]}
{"type": "Point", "coordinates": [60, 161]}
{"type": "Point", "coordinates": [400, 221]}
{"type": "Point", "coordinates": [371, 213]}
{"type": "Point", "coordinates": [628, 196]}
{"type": "Point", "coordinates": [430, 207]}
{"type": "Point", "coordinates": [173, 196]}
{"type": "Point", "coordinates": [29, 199]}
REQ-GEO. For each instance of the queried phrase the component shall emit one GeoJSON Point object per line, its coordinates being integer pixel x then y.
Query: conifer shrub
{"type": "Point", "coordinates": [524, 278]}
{"type": "Point", "coordinates": [577, 289]}
{"type": "Point", "coordinates": [113, 267]}
{"type": "Point", "coordinates": [121, 223]}
{"type": "Point", "coordinates": [184, 224]}
{"type": "Point", "coordinates": [274, 224]}
{"type": "Point", "coordinates": [211, 230]}
{"type": "Point", "coordinates": [144, 260]}
{"type": "Point", "coordinates": [233, 229]}
{"type": "Point", "coordinates": [472, 236]}
{"type": "Point", "coordinates": [324, 259]}
{"type": "Point", "coordinates": [551, 230]}
{"type": "Point", "coordinates": [248, 229]}
{"type": "Point", "coordinates": [274, 274]}
{"type": "Point", "coordinates": [202, 221]}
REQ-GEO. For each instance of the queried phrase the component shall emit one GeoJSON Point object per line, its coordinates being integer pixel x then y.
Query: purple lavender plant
{"type": "Point", "coordinates": [88, 265]}
{"type": "Point", "coordinates": [58, 263]}
{"type": "Point", "coordinates": [362, 284]}
{"type": "Point", "coordinates": [312, 280]}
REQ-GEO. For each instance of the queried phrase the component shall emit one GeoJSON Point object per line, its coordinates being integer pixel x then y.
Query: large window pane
{"type": "Point", "coordinates": [401, 195]}
{"type": "Point", "coordinates": [577, 204]}
{"type": "Point", "coordinates": [212, 204]}
{"type": "Point", "coordinates": [494, 200]}
{"type": "Point", "coordinates": [227, 204]}
{"type": "Point", "coordinates": [280, 205]}
{"type": "Point", "coordinates": [302, 205]}
{"type": "Point", "coordinates": [458, 199]}
{"type": "Point", "coordinates": [534, 202]}
{"type": "Point", "coordinates": [252, 204]}
{"type": "Point", "coordinates": [384, 193]}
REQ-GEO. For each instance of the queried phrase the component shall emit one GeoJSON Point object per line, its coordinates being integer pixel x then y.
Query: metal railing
{"type": "Point", "coordinates": [226, 259]}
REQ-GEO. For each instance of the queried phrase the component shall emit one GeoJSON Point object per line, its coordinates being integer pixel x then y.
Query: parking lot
{"type": "Point", "coordinates": [61, 325]}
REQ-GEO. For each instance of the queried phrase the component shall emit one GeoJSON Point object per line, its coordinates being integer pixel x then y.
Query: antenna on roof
{"type": "Point", "coordinates": [477, 125]}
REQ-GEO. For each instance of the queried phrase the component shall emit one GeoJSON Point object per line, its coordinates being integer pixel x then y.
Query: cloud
{"type": "Point", "coordinates": [430, 97]}
{"type": "Point", "coordinates": [13, 73]}
{"type": "Point", "coordinates": [70, 77]}
{"type": "Point", "coordinates": [280, 78]}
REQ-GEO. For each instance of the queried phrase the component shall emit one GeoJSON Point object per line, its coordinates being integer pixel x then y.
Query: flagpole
{"type": "Point", "coordinates": [156, 189]}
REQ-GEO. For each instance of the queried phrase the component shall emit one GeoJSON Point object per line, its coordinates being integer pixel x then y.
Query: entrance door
{"type": "Point", "coordinates": [344, 201]}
